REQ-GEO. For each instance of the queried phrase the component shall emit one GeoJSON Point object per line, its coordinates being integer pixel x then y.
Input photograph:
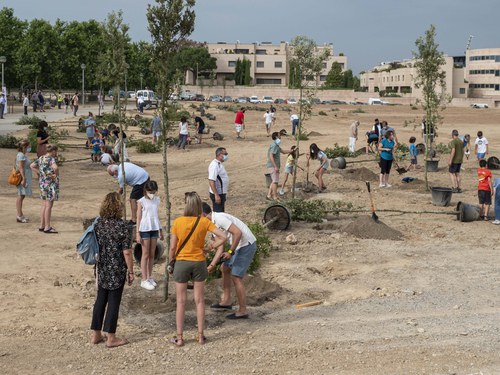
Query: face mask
{"type": "Point", "coordinates": [278, 141]}
{"type": "Point", "coordinates": [225, 157]}
{"type": "Point", "coordinates": [28, 149]}
{"type": "Point", "coordinates": [150, 195]}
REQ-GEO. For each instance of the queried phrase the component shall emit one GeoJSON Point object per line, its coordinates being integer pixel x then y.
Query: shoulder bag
{"type": "Point", "coordinates": [15, 177]}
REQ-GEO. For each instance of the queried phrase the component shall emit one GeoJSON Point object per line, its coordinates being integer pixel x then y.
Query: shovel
{"type": "Point", "coordinates": [399, 169]}
{"type": "Point", "coordinates": [374, 215]}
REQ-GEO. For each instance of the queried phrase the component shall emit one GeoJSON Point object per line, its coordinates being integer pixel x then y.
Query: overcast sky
{"type": "Point", "coordinates": [366, 31]}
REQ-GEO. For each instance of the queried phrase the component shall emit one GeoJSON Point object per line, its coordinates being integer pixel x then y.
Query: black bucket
{"type": "Point", "coordinates": [158, 252]}
{"type": "Point", "coordinates": [441, 196]}
{"type": "Point", "coordinates": [338, 163]}
{"type": "Point", "coordinates": [467, 212]}
{"type": "Point", "coordinates": [493, 162]}
{"type": "Point", "coordinates": [432, 165]}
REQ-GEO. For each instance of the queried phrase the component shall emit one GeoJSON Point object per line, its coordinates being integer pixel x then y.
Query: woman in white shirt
{"type": "Point", "coordinates": [183, 133]}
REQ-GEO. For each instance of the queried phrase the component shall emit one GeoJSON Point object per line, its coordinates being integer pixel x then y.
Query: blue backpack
{"type": "Point", "coordinates": [87, 246]}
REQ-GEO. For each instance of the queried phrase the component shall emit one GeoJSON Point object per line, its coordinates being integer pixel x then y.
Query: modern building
{"type": "Point", "coordinates": [269, 63]}
{"type": "Point", "coordinates": [469, 78]}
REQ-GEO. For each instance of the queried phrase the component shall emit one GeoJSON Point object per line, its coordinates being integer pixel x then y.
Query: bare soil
{"type": "Point", "coordinates": [414, 294]}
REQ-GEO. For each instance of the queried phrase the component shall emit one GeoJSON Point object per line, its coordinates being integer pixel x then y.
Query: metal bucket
{"type": "Point", "coordinates": [338, 163]}
{"type": "Point", "coordinates": [158, 252]}
{"type": "Point", "coordinates": [441, 196]}
{"type": "Point", "coordinates": [467, 212]}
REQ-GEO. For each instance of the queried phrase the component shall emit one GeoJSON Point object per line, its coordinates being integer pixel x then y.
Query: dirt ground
{"type": "Point", "coordinates": [424, 299]}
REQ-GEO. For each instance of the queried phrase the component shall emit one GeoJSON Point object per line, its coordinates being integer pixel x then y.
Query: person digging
{"type": "Point", "coordinates": [237, 259]}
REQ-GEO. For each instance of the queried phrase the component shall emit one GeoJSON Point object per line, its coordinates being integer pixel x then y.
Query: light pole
{"type": "Point", "coordinates": [141, 75]}
{"type": "Point", "coordinates": [83, 66]}
{"type": "Point", "coordinates": [3, 60]}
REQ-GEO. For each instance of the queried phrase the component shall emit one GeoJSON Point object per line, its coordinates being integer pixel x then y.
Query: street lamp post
{"type": "Point", "coordinates": [83, 66]}
{"type": "Point", "coordinates": [3, 60]}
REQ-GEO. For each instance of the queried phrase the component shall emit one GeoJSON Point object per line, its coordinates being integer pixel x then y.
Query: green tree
{"type": "Point", "coordinates": [12, 30]}
{"type": "Point", "coordinates": [139, 59]}
{"type": "Point", "coordinates": [431, 78]}
{"type": "Point", "coordinates": [170, 22]}
{"type": "Point", "coordinates": [194, 58]}
{"type": "Point", "coordinates": [247, 79]}
{"type": "Point", "coordinates": [347, 79]}
{"type": "Point", "coordinates": [335, 77]}
{"type": "Point", "coordinates": [307, 62]}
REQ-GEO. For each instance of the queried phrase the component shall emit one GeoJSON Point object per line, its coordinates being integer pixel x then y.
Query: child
{"type": "Point", "coordinates": [413, 153]}
{"type": "Point", "coordinates": [290, 166]}
{"type": "Point", "coordinates": [481, 146]}
{"type": "Point", "coordinates": [316, 154]}
{"type": "Point", "coordinates": [183, 133]}
{"type": "Point", "coordinates": [268, 118]}
{"type": "Point", "coordinates": [484, 189]}
{"type": "Point", "coordinates": [106, 157]}
{"type": "Point", "coordinates": [96, 147]}
{"type": "Point", "coordinates": [148, 230]}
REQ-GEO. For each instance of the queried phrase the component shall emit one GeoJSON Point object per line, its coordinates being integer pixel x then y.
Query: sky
{"type": "Point", "coordinates": [366, 31]}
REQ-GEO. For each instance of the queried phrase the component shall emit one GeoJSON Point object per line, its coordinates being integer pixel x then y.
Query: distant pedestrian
{"type": "Point", "coordinates": [34, 100]}
{"type": "Point", "coordinates": [239, 122]}
{"type": "Point", "coordinates": [200, 127]}
{"type": "Point", "coordinates": [74, 102]}
{"type": "Point", "coordinates": [455, 162]}
{"type": "Point", "coordinates": [156, 127]}
{"type": "Point", "coordinates": [481, 146]}
{"type": "Point", "coordinates": [66, 103]}
{"type": "Point", "coordinates": [268, 119]}
{"type": "Point", "coordinates": [59, 100]}
{"type": "Point", "coordinates": [183, 133]}
{"type": "Point", "coordinates": [26, 103]}
{"type": "Point", "coordinates": [294, 119]}
{"type": "Point", "coordinates": [353, 135]}
{"type": "Point", "coordinates": [218, 180]}
{"type": "Point", "coordinates": [3, 102]}
{"type": "Point", "coordinates": [41, 101]}
{"type": "Point", "coordinates": [89, 129]}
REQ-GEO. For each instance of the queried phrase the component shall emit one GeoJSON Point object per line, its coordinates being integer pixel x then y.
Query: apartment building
{"type": "Point", "coordinates": [268, 62]}
{"type": "Point", "coordinates": [483, 73]}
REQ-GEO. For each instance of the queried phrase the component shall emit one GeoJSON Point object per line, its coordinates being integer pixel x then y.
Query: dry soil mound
{"type": "Point", "coordinates": [366, 227]}
{"type": "Point", "coordinates": [360, 174]}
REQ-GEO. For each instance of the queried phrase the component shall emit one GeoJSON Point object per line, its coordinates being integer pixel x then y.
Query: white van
{"type": "Point", "coordinates": [150, 98]}
{"type": "Point", "coordinates": [375, 101]}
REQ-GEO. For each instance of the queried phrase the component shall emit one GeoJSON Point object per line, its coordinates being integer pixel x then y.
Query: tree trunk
{"type": "Point", "coordinates": [122, 161]}
{"type": "Point", "coordinates": [298, 135]}
{"type": "Point", "coordinates": [168, 206]}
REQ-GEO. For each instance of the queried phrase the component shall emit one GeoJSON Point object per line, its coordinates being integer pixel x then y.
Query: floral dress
{"type": "Point", "coordinates": [47, 180]}
{"type": "Point", "coordinates": [113, 237]}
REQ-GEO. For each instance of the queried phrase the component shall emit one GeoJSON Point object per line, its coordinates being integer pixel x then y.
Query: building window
{"type": "Point", "coordinates": [497, 87]}
{"type": "Point", "coordinates": [261, 52]}
{"type": "Point", "coordinates": [231, 64]}
{"type": "Point", "coordinates": [324, 65]}
{"type": "Point", "coordinates": [462, 90]}
{"type": "Point", "coordinates": [268, 81]}
{"type": "Point", "coordinates": [322, 78]}
{"type": "Point", "coordinates": [278, 64]}
{"type": "Point", "coordinates": [260, 64]}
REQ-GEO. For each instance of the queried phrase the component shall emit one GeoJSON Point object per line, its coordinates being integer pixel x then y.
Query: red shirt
{"type": "Point", "coordinates": [240, 116]}
{"type": "Point", "coordinates": [484, 179]}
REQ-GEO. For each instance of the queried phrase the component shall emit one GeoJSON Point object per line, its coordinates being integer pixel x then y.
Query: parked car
{"type": "Point", "coordinates": [267, 100]}
{"type": "Point", "coordinates": [122, 93]}
{"type": "Point", "coordinates": [254, 99]}
{"type": "Point", "coordinates": [279, 101]}
{"type": "Point", "coordinates": [199, 98]}
{"type": "Point", "coordinates": [131, 94]}
{"type": "Point", "coordinates": [173, 96]}
{"type": "Point", "coordinates": [150, 98]}
{"type": "Point", "coordinates": [187, 95]}
{"type": "Point", "coordinates": [315, 101]}
{"type": "Point", "coordinates": [291, 101]}
{"type": "Point", "coordinates": [479, 105]}
{"type": "Point", "coordinates": [227, 99]}
{"type": "Point", "coordinates": [215, 98]}
{"type": "Point", "coordinates": [243, 99]}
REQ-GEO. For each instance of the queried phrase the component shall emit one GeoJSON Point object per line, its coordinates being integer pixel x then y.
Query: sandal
{"type": "Point", "coordinates": [22, 219]}
{"type": "Point", "coordinates": [201, 339]}
{"type": "Point", "coordinates": [50, 231]}
{"type": "Point", "coordinates": [178, 340]}
{"type": "Point", "coordinates": [41, 229]}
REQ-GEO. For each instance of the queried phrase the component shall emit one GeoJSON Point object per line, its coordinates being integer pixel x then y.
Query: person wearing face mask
{"type": "Point", "coordinates": [42, 139]}
{"type": "Point", "coordinates": [148, 231]}
{"type": "Point", "coordinates": [218, 180]}
{"type": "Point", "coordinates": [24, 188]}
{"type": "Point", "coordinates": [273, 165]}
{"type": "Point", "coordinates": [386, 148]}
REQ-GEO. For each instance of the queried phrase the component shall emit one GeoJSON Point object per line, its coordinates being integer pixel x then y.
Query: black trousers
{"type": "Point", "coordinates": [107, 302]}
{"type": "Point", "coordinates": [218, 207]}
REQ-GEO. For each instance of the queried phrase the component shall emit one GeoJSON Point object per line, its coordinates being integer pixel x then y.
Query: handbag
{"type": "Point", "coordinates": [171, 264]}
{"type": "Point", "coordinates": [15, 177]}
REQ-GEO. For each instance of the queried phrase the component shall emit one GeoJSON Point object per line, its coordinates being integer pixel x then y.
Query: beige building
{"type": "Point", "coordinates": [268, 62]}
{"type": "Point", "coordinates": [472, 78]}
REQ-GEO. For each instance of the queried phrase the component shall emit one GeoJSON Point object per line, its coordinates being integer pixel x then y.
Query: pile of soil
{"type": "Point", "coordinates": [366, 227]}
{"type": "Point", "coordinates": [360, 174]}
{"type": "Point", "coordinates": [314, 134]}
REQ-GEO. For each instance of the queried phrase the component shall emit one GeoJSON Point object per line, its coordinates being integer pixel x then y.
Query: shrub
{"type": "Point", "coordinates": [442, 148]}
{"type": "Point", "coordinates": [8, 141]}
{"type": "Point", "coordinates": [110, 117]}
{"type": "Point", "coordinates": [313, 211]}
{"type": "Point", "coordinates": [34, 121]}
{"type": "Point", "coordinates": [145, 147]}
{"type": "Point", "coordinates": [336, 151]}
{"type": "Point", "coordinates": [322, 113]}
{"type": "Point", "coordinates": [357, 110]}
{"type": "Point", "coordinates": [303, 136]}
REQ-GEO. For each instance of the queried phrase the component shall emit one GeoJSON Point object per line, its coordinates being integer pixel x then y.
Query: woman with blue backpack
{"type": "Point", "coordinates": [114, 267]}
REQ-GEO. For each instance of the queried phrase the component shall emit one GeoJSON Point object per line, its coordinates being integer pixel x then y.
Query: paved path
{"type": "Point", "coordinates": [8, 124]}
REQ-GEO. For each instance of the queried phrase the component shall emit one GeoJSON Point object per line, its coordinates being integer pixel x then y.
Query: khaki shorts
{"type": "Point", "coordinates": [275, 176]}
{"type": "Point", "coordinates": [186, 270]}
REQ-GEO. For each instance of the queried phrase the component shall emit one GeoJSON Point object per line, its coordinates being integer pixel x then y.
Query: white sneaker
{"type": "Point", "coordinates": [153, 282]}
{"type": "Point", "coordinates": [381, 186]}
{"type": "Point", "coordinates": [282, 192]}
{"type": "Point", "coordinates": [496, 222]}
{"type": "Point", "coordinates": [388, 186]}
{"type": "Point", "coordinates": [147, 285]}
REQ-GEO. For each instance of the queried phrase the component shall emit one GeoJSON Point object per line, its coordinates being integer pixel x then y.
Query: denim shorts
{"type": "Point", "coordinates": [481, 155]}
{"type": "Point", "coordinates": [241, 260]}
{"type": "Point", "coordinates": [149, 235]}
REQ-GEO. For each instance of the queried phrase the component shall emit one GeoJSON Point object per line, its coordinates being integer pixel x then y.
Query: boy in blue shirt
{"type": "Point", "coordinates": [413, 154]}
{"type": "Point", "coordinates": [96, 147]}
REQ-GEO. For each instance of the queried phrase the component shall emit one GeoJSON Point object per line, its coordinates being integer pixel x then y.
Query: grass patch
{"type": "Point", "coordinates": [357, 110]}
{"type": "Point", "coordinates": [313, 211]}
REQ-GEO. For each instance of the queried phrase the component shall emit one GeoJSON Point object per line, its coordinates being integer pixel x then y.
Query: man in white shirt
{"type": "Point", "coordinates": [218, 180]}
{"type": "Point", "coordinates": [295, 122]}
{"type": "Point", "coordinates": [136, 177]}
{"type": "Point", "coordinates": [481, 146]}
{"type": "Point", "coordinates": [3, 102]}
{"type": "Point", "coordinates": [238, 258]}
{"type": "Point", "coordinates": [353, 136]}
{"type": "Point", "coordinates": [268, 118]}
